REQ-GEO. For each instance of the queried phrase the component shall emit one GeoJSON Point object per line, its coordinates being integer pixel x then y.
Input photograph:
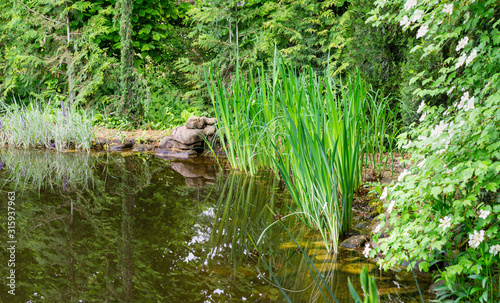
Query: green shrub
{"type": "Point", "coordinates": [446, 206]}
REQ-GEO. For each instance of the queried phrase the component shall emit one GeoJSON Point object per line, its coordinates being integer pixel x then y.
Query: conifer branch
{"type": "Point", "coordinates": [47, 18]}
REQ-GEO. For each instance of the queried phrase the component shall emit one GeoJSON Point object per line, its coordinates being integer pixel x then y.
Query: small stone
{"type": "Point", "coordinates": [194, 122]}
{"type": "Point", "coordinates": [211, 121]}
{"type": "Point", "coordinates": [361, 225]}
{"type": "Point", "coordinates": [354, 242]}
{"type": "Point", "coordinates": [164, 142]}
{"type": "Point", "coordinates": [209, 130]}
{"type": "Point", "coordinates": [120, 146]}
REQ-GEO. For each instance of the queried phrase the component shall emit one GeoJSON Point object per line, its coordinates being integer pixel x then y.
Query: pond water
{"type": "Point", "coordinates": [136, 228]}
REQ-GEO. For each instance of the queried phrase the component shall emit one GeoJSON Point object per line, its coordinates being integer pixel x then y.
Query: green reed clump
{"type": "Point", "coordinates": [38, 125]}
{"type": "Point", "coordinates": [313, 130]}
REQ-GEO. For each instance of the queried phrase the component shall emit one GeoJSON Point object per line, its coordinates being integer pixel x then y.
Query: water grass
{"type": "Point", "coordinates": [44, 125]}
{"type": "Point", "coordinates": [317, 132]}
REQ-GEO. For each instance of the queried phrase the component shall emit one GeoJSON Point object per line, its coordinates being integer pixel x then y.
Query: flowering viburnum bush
{"type": "Point", "coordinates": [446, 205]}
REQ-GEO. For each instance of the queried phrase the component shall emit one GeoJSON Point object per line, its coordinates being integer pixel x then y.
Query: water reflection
{"type": "Point", "coordinates": [133, 229]}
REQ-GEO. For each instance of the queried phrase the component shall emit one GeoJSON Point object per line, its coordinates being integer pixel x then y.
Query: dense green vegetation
{"type": "Point", "coordinates": [316, 91]}
{"type": "Point", "coordinates": [73, 51]}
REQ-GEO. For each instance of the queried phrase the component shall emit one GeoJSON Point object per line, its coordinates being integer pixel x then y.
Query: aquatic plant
{"type": "Point", "coordinates": [315, 131]}
{"type": "Point", "coordinates": [45, 126]}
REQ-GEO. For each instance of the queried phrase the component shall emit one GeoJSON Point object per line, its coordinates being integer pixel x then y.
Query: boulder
{"type": "Point", "coordinates": [354, 242]}
{"type": "Point", "coordinates": [194, 122]}
{"type": "Point", "coordinates": [209, 130]}
{"type": "Point", "coordinates": [187, 136]}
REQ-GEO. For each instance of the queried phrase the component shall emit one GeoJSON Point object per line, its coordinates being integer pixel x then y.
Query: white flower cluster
{"type": "Point", "coordinates": [495, 249]}
{"type": "Point", "coordinates": [421, 163]}
{"type": "Point", "coordinates": [470, 102]}
{"type": "Point", "coordinates": [391, 206]}
{"type": "Point", "coordinates": [377, 229]}
{"type": "Point", "coordinates": [422, 31]}
{"type": "Point", "coordinates": [438, 129]}
{"type": "Point", "coordinates": [461, 60]}
{"type": "Point", "coordinates": [410, 4]}
{"type": "Point", "coordinates": [448, 9]}
{"type": "Point", "coordinates": [367, 250]}
{"type": "Point", "coordinates": [445, 222]}
{"type": "Point", "coordinates": [421, 107]}
{"type": "Point", "coordinates": [476, 238]}
{"type": "Point", "coordinates": [403, 175]}
{"type": "Point", "coordinates": [483, 214]}
{"type": "Point", "coordinates": [417, 15]}
{"type": "Point", "coordinates": [471, 57]}
{"type": "Point", "coordinates": [405, 22]}
{"type": "Point", "coordinates": [450, 90]}
{"type": "Point", "coordinates": [384, 194]}
{"type": "Point", "coordinates": [422, 118]}
{"type": "Point", "coordinates": [407, 145]}
{"type": "Point", "coordinates": [462, 43]}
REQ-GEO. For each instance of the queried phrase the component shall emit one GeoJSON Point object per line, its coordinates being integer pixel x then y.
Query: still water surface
{"type": "Point", "coordinates": [136, 228]}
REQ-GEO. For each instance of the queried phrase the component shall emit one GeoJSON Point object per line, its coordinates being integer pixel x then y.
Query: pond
{"type": "Point", "coordinates": [136, 228]}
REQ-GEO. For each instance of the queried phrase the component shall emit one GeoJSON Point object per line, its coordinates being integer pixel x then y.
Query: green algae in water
{"type": "Point", "coordinates": [135, 228]}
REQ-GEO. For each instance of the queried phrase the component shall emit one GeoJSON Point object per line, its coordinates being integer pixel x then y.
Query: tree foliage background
{"type": "Point", "coordinates": [70, 50]}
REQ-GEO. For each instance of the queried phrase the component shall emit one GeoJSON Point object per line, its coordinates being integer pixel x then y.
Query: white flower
{"type": "Point", "coordinates": [483, 214]}
{"type": "Point", "coordinates": [407, 145]}
{"type": "Point", "coordinates": [405, 22]}
{"type": "Point", "coordinates": [417, 15]}
{"type": "Point", "coordinates": [445, 222]}
{"type": "Point", "coordinates": [467, 16]}
{"type": "Point", "coordinates": [462, 43]}
{"type": "Point", "coordinates": [422, 117]}
{"type": "Point", "coordinates": [448, 9]}
{"type": "Point", "coordinates": [367, 250]}
{"type": "Point", "coordinates": [476, 239]}
{"type": "Point", "coordinates": [384, 194]}
{"type": "Point", "coordinates": [421, 106]}
{"type": "Point", "coordinates": [463, 99]}
{"type": "Point", "coordinates": [440, 21]}
{"type": "Point", "coordinates": [391, 206]}
{"type": "Point", "coordinates": [495, 249]}
{"type": "Point", "coordinates": [421, 163]}
{"type": "Point", "coordinates": [403, 175]}
{"type": "Point", "coordinates": [451, 90]}
{"type": "Point", "coordinates": [410, 4]}
{"type": "Point", "coordinates": [438, 129]}
{"type": "Point", "coordinates": [470, 104]}
{"type": "Point", "coordinates": [377, 229]}
{"type": "Point", "coordinates": [471, 57]}
{"type": "Point", "coordinates": [422, 31]}
{"type": "Point", "coordinates": [422, 138]}
{"type": "Point", "coordinates": [461, 61]}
